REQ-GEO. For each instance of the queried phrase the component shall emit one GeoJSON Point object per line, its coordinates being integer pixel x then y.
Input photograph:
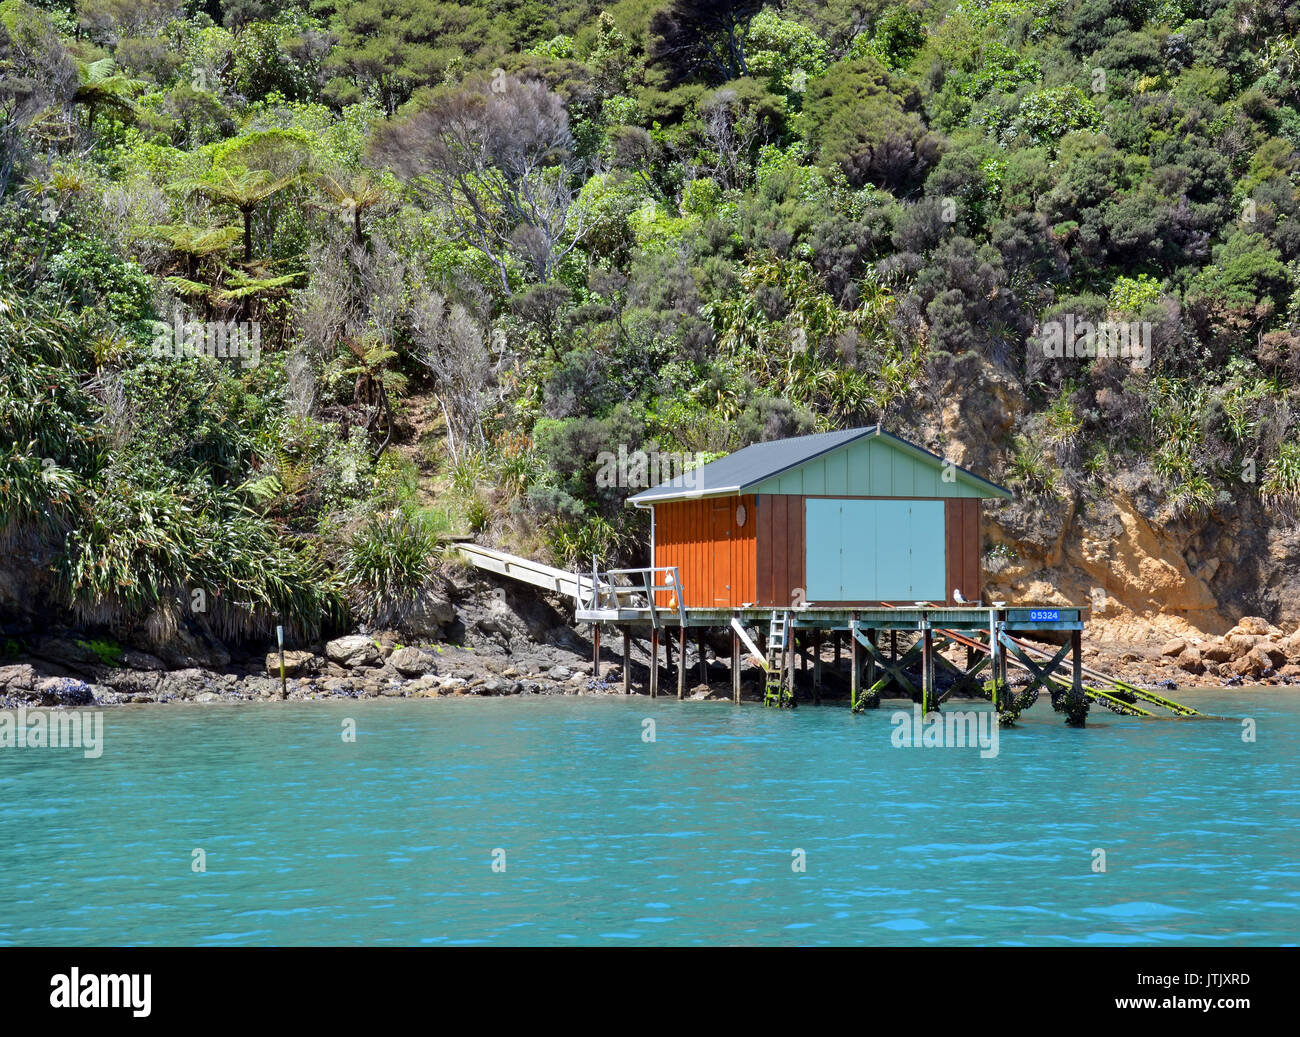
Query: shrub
{"type": "Point", "coordinates": [387, 567]}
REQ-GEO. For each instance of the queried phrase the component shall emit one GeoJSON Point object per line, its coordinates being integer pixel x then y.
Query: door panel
{"type": "Point", "coordinates": [875, 550]}
{"type": "Point", "coordinates": [721, 539]}
{"type": "Point", "coordinates": [823, 536]}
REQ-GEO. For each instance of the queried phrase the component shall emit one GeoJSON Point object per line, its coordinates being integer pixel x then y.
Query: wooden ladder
{"type": "Point", "coordinates": [778, 633]}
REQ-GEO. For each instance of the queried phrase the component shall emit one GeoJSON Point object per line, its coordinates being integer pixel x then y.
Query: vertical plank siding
{"type": "Point", "coordinates": [763, 561]}
{"type": "Point", "coordinates": [963, 544]}
{"type": "Point", "coordinates": [780, 550]}
{"type": "Point", "coordinates": [715, 554]}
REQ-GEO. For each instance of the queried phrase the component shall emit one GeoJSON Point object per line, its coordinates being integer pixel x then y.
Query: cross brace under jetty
{"type": "Point", "coordinates": [649, 602]}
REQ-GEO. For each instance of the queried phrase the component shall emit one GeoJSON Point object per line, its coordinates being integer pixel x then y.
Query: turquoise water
{"type": "Point", "coordinates": [689, 839]}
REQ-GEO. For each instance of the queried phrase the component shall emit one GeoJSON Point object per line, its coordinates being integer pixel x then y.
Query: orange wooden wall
{"type": "Point", "coordinates": [714, 554]}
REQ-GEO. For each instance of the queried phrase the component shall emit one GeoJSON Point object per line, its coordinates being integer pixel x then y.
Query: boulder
{"type": "Point", "coordinates": [1217, 651]}
{"type": "Point", "coordinates": [413, 662]}
{"type": "Point", "coordinates": [1173, 649]}
{"type": "Point", "coordinates": [64, 691]}
{"type": "Point", "coordinates": [1190, 661]}
{"type": "Point", "coordinates": [1291, 645]}
{"type": "Point", "coordinates": [430, 618]}
{"type": "Point", "coordinates": [1241, 644]}
{"type": "Point", "coordinates": [352, 651]}
{"type": "Point", "coordinates": [1257, 626]}
{"type": "Point", "coordinates": [18, 677]}
{"type": "Point", "coordinates": [134, 682]}
{"type": "Point", "coordinates": [295, 663]}
{"type": "Point", "coordinates": [1254, 663]}
{"type": "Point", "coordinates": [1275, 656]}
{"type": "Point", "coordinates": [136, 660]}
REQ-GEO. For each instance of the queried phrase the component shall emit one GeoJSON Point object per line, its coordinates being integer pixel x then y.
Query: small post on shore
{"type": "Point", "coordinates": [654, 662]}
{"type": "Point", "coordinates": [595, 650]}
{"type": "Point", "coordinates": [279, 640]}
{"type": "Point", "coordinates": [627, 660]}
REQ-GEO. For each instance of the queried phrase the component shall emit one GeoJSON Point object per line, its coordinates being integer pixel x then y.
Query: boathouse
{"type": "Point", "coordinates": [857, 534]}
{"type": "Point", "coordinates": [838, 519]}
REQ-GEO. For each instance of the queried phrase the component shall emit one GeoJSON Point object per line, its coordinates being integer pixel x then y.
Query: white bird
{"type": "Point", "coordinates": [958, 597]}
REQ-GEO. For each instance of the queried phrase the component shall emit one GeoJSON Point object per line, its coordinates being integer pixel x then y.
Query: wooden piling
{"type": "Point", "coordinates": [995, 658]}
{"type": "Point", "coordinates": [817, 667]}
{"type": "Point", "coordinates": [654, 662]}
{"type": "Point", "coordinates": [735, 667]}
{"type": "Point", "coordinates": [627, 660]}
{"type": "Point", "coordinates": [681, 667]}
{"type": "Point", "coordinates": [873, 636]}
{"type": "Point", "coordinates": [595, 650]}
{"type": "Point", "coordinates": [704, 666]}
{"type": "Point", "coordinates": [927, 669]}
{"type": "Point", "coordinates": [854, 653]}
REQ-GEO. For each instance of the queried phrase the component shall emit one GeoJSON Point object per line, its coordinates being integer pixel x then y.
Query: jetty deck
{"type": "Point", "coordinates": [648, 603]}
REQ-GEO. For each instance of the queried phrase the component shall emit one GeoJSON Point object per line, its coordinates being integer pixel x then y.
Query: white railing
{"type": "Point", "coordinates": [618, 588]}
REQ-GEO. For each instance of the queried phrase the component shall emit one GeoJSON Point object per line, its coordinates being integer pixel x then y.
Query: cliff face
{"type": "Point", "coordinates": [1111, 541]}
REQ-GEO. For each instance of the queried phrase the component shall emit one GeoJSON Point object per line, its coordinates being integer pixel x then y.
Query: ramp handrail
{"type": "Point", "coordinates": [604, 589]}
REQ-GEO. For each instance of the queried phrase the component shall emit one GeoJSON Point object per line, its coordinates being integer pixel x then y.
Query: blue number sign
{"type": "Point", "coordinates": [1044, 615]}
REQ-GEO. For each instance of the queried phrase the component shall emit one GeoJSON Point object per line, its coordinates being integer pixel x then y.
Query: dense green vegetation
{"type": "Point", "coordinates": [470, 246]}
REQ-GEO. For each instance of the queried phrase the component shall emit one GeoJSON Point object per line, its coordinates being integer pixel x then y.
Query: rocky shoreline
{"type": "Point", "coordinates": [406, 672]}
{"type": "Point", "coordinates": [493, 644]}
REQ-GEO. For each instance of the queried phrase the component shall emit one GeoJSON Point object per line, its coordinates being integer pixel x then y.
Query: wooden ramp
{"type": "Point", "coordinates": [558, 581]}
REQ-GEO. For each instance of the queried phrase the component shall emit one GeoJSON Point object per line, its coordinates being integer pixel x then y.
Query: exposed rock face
{"type": "Point", "coordinates": [1112, 540]}
{"type": "Point", "coordinates": [353, 651]}
{"type": "Point", "coordinates": [185, 650]}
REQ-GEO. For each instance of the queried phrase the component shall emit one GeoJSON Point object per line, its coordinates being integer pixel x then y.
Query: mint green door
{"type": "Point", "coordinates": [874, 550]}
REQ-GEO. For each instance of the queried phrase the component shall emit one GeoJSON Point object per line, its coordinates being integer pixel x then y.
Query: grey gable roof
{"type": "Point", "coordinates": [752, 465]}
